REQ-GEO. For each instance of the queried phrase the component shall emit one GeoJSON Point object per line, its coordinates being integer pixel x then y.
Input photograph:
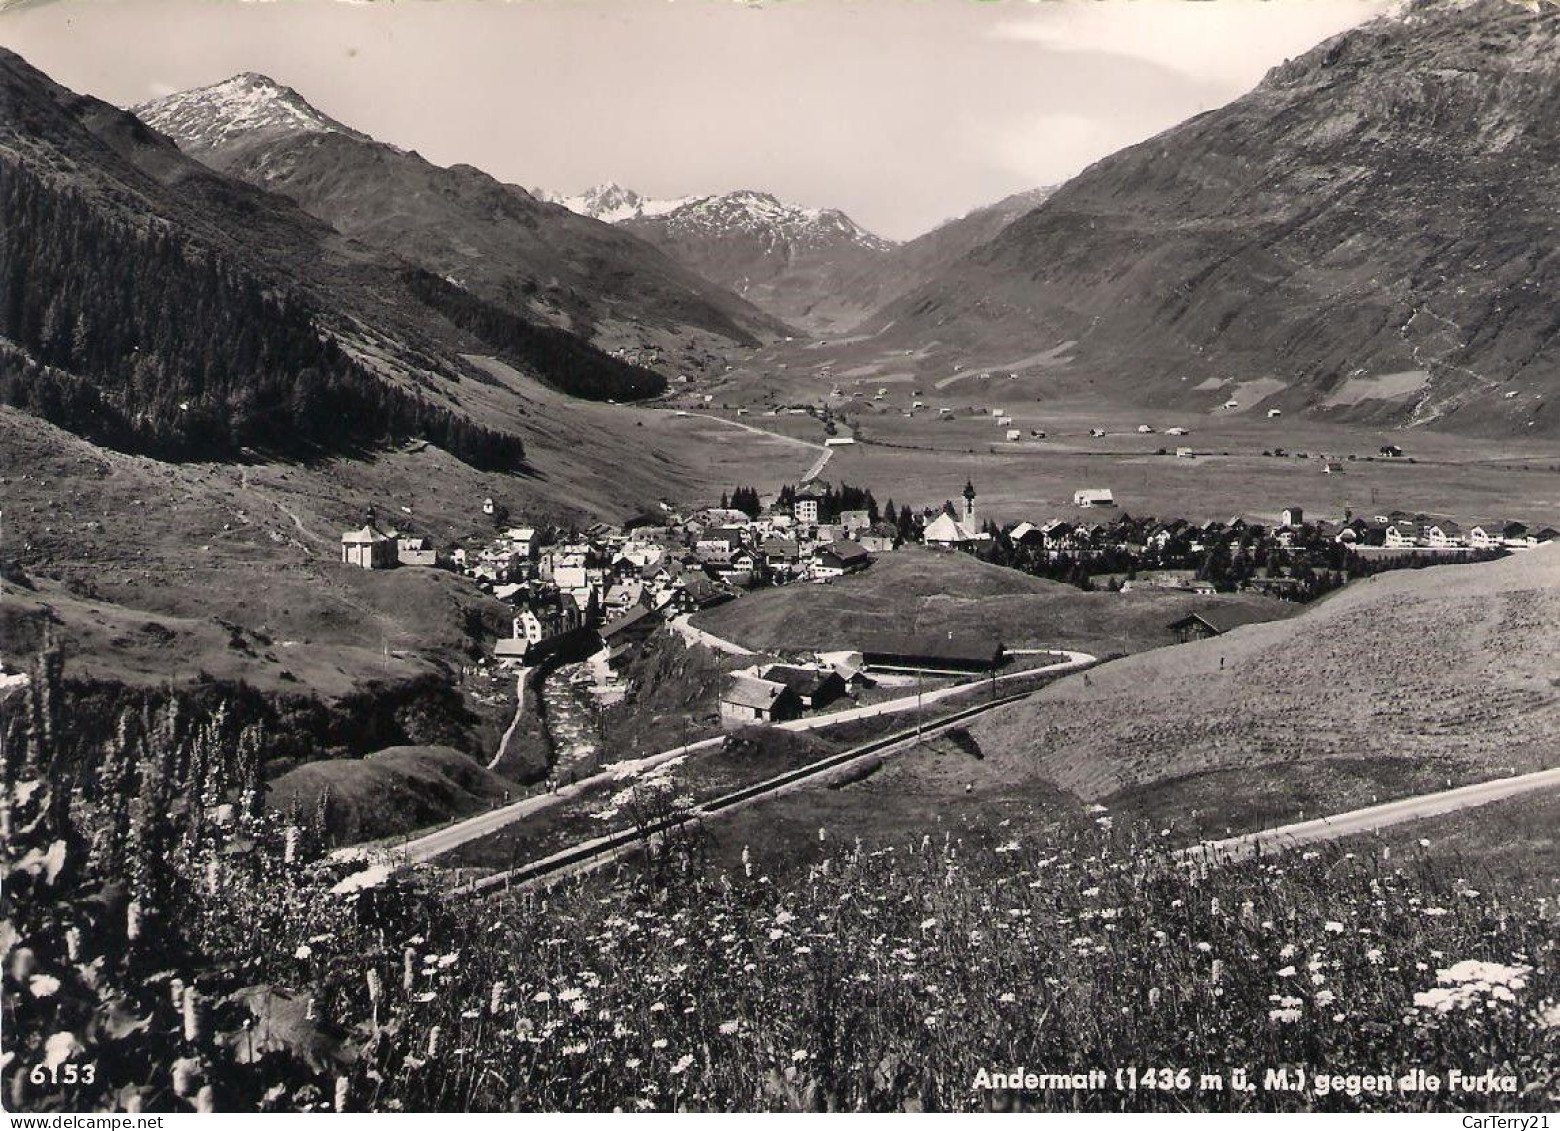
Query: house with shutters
{"type": "Point", "coordinates": [839, 558]}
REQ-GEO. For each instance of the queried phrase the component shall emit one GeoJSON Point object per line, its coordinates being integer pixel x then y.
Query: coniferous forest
{"type": "Point", "coordinates": [562, 360]}
{"type": "Point", "coordinates": [140, 340]}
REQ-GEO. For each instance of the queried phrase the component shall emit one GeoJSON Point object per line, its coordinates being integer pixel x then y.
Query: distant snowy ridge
{"type": "Point", "coordinates": [762, 214]}
{"type": "Point", "coordinates": [746, 211]}
{"type": "Point", "coordinates": [611, 203]}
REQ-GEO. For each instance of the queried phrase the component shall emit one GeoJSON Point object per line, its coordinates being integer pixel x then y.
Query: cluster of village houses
{"type": "Point", "coordinates": [620, 582]}
{"type": "Point", "coordinates": [1397, 530]}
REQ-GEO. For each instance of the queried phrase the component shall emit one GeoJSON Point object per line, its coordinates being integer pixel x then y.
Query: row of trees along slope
{"type": "Point", "coordinates": [141, 340]}
{"type": "Point", "coordinates": [155, 305]}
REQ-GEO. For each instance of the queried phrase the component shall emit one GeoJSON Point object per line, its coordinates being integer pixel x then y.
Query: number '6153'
{"type": "Point", "coordinates": [62, 1074]}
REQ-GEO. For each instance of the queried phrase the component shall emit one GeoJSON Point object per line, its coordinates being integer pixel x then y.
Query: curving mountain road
{"type": "Point", "coordinates": [437, 842]}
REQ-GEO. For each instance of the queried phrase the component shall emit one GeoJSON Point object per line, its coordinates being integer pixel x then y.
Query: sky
{"type": "Point", "coordinates": [903, 113]}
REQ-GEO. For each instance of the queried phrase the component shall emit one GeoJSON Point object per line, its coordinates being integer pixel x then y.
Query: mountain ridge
{"type": "Point", "coordinates": [247, 106]}
{"type": "Point", "coordinates": [531, 258]}
{"type": "Point", "coordinates": [1364, 236]}
{"type": "Point", "coordinates": [815, 268]}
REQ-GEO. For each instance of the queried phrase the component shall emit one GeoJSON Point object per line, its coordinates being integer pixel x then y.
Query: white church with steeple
{"type": "Point", "coordinates": [949, 532]}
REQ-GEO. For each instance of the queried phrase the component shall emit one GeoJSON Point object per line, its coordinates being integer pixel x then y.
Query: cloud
{"type": "Point", "coordinates": [1229, 43]}
{"type": "Point", "coordinates": [1050, 146]}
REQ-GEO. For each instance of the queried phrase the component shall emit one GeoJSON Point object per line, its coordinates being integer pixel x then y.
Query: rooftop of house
{"type": "Point", "coordinates": [968, 648]}
{"type": "Point", "coordinates": [803, 681]}
{"type": "Point", "coordinates": [634, 616]}
{"type": "Point", "coordinates": [752, 691]}
{"type": "Point", "coordinates": [1223, 618]}
{"type": "Point", "coordinates": [844, 551]}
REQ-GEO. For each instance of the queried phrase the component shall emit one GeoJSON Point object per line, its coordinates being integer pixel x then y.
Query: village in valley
{"type": "Point", "coordinates": [584, 600]}
{"type": "Point", "coordinates": [973, 621]}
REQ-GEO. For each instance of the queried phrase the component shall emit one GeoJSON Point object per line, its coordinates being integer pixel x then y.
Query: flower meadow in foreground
{"type": "Point", "coordinates": [868, 977]}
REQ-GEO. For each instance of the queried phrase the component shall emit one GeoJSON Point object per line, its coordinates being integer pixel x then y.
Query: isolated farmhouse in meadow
{"type": "Point", "coordinates": [1216, 622]}
{"type": "Point", "coordinates": [1094, 497]}
{"type": "Point", "coordinates": [751, 701]}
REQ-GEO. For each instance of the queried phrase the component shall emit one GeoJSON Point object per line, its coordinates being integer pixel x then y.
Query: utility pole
{"type": "Point", "coordinates": [918, 720]}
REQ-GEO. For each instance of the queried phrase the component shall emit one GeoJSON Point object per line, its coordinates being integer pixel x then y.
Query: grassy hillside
{"type": "Point", "coordinates": [390, 792]}
{"type": "Point", "coordinates": [1367, 230]}
{"type": "Point", "coordinates": [934, 592]}
{"type": "Point", "coordinates": [886, 979]}
{"type": "Point", "coordinates": [1512, 845]}
{"type": "Point", "coordinates": [131, 539]}
{"type": "Point", "coordinates": [1401, 684]}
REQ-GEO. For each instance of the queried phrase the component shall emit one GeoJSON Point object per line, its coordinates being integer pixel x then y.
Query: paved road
{"type": "Point", "coordinates": [425, 847]}
{"type": "Point", "coordinates": [604, 850]}
{"type": "Point", "coordinates": [817, 468]}
{"type": "Point", "coordinates": [599, 851]}
{"type": "Point", "coordinates": [449, 837]}
{"type": "Point", "coordinates": [811, 473]}
{"type": "Point", "coordinates": [1371, 819]}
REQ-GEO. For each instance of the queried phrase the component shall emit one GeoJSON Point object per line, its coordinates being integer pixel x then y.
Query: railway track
{"type": "Point", "coordinates": [603, 850]}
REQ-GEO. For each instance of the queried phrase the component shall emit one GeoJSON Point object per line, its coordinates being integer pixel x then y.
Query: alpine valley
{"type": "Point", "coordinates": [466, 647]}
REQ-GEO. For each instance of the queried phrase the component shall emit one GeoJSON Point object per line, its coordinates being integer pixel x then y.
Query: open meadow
{"type": "Point", "coordinates": [153, 573]}
{"type": "Point", "coordinates": [935, 592]}
{"type": "Point", "coordinates": [895, 976]}
{"type": "Point", "coordinates": [921, 456]}
{"type": "Point", "coordinates": [1510, 847]}
{"type": "Point", "coordinates": [1403, 683]}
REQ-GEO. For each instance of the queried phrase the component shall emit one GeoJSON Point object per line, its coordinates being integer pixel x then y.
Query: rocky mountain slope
{"type": "Point", "coordinates": [233, 382]}
{"type": "Point", "coordinates": [172, 310]}
{"type": "Point", "coordinates": [532, 259]}
{"type": "Point", "coordinates": [242, 110]}
{"type": "Point", "coordinates": [1369, 234]}
{"type": "Point", "coordinates": [790, 261]}
{"type": "Point", "coordinates": [816, 269]}
{"type": "Point", "coordinates": [917, 262]}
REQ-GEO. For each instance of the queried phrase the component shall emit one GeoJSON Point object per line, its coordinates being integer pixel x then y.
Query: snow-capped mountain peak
{"type": "Point", "coordinates": [744, 212]}
{"type": "Point", "coordinates": [611, 203]}
{"type": "Point", "coordinates": [245, 105]}
{"type": "Point", "coordinates": [753, 213]}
